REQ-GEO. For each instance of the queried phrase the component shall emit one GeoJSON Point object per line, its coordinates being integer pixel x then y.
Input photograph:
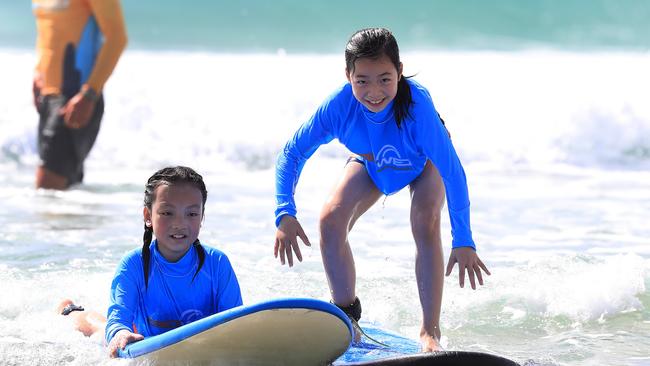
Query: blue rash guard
{"type": "Point", "coordinates": [393, 156]}
{"type": "Point", "coordinates": [172, 297]}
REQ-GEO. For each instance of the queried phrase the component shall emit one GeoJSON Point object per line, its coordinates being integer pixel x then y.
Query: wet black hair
{"type": "Point", "coordinates": [374, 43]}
{"type": "Point", "coordinates": [170, 176]}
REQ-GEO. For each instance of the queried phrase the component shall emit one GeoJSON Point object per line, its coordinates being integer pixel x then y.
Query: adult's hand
{"type": "Point", "coordinates": [77, 112]}
{"type": "Point", "coordinates": [37, 85]}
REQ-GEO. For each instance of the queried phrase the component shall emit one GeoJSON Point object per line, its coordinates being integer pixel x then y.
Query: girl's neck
{"type": "Point", "coordinates": [380, 117]}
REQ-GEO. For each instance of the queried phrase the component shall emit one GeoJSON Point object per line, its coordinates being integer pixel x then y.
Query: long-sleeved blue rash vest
{"type": "Point", "coordinates": [172, 297]}
{"type": "Point", "coordinates": [393, 156]}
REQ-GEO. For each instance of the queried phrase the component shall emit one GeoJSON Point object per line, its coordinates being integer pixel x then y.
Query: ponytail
{"type": "Point", "coordinates": [200, 251]}
{"type": "Point", "coordinates": [403, 101]}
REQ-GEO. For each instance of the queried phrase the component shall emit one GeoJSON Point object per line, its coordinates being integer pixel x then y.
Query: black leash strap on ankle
{"type": "Point", "coordinates": [353, 311]}
{"type": "Point", "coordinates": [70, 308]}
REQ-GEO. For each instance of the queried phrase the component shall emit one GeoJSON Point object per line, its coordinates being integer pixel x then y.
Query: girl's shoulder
{"type": "Point", "coordinates": [338, 103]}
{"type": "Point", "coordinates": [131, 262]}
{"type": "Point", "coordinates": [342, 93]}
{"type": "Point", "coordinates": [213, 253]}
{"type": "Point", "coordinates": [217, 258]}
{"type": "Point", "coordinates": [133, 254]}
{"type": "Point", "coordinates": [423, 107]}
{"type": "Point", "coordinates": [418, 91]}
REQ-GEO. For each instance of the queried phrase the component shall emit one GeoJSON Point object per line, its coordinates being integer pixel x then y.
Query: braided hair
{"type": "Point", "coordinates": [374, 43]}
{"type": "Point", "coordinates": [170, 176]}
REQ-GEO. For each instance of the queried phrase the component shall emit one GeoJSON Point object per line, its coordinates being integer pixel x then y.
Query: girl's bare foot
{"type": "Point", "coordinates": [87, 322]}
{"type": "Point", "coordinates": [430, 342]}
{"type": "Point", "coordinates": [62, 305]}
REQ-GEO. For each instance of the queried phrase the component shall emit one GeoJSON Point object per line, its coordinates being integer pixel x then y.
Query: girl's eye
{"type": "Point", "coordinates": [194, 214]}
{"type": "Point", "coordinates": [165, 213]}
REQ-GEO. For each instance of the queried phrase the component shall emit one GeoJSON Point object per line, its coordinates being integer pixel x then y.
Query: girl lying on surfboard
{"type": "Point", "coordinates": [391, 126]}
{"type": "Point", "coordinates": [173, 279]}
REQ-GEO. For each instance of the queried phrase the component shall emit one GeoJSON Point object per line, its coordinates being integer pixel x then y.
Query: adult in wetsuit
{"type": "Point", "coordinates": [78, 45]}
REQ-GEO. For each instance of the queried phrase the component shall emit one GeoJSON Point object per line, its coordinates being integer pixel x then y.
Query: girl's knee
{"type": "Point", "coordinates": [425, 216]}
{"type": "Point", "coordinates": [333, 220]}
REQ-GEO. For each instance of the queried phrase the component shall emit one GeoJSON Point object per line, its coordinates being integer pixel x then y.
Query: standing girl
{"type": "Point", "coordinates": [398, 138]}
{"type": "Point", "coordinates": [174, 279]}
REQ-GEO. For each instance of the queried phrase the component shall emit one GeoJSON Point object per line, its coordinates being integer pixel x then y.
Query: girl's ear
{"type": "Point", "coordinates": [147, 216]}
{"type": "Point", "coordinates": [401, 69]}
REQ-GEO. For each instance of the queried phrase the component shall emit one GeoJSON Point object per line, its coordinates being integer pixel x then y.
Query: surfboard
{"type": "Point", "coordinates": [292, 331]}
{"type": "Point", "coordinates": [397, 350]}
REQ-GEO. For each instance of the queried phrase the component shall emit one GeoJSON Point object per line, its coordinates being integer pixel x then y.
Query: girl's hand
{"type": "Point", "coordinates": [467, 259]}
{"type": "Point", "coordinates": [121, 339]}
{"type": "Point", "coordinates": [286, 239]}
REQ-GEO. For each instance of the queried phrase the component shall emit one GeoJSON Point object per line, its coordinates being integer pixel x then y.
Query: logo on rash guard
{"type": "Point", "coordinates": [189, 316]}
{"type": "Point", "coordinates": [389, 158]}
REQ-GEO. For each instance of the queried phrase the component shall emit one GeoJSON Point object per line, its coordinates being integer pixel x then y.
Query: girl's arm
{"type": "Point", "coordinates": [123, 297]}
{"type": "Point", "coordinates": [318, 130]}
{"type": "Point", "coordinates": [120, 340]}
{"type": "Point", "coordinates": [315, 132]}
{"type": "Point", "coordinates": [292, 159]}
{"type": "Point", "coordinates": [439, 149]}
{"type": "Point", "coordinates": [228, 291]}
{"type": "Point", "coordinates": [437, 146]}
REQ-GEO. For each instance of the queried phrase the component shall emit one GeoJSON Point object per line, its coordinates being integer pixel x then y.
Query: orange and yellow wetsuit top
{"type": "Point", "coordinates": [78, 43]}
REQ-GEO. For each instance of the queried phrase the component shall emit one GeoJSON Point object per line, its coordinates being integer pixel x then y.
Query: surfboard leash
{"type": "Point", "coordinates": [356, 325]}
{"type": "Point", "coordinates": [353, 311]}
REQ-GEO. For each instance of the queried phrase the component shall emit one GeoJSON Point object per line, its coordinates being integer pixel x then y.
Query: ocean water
{"type": "Point", "coordinates": [553, 129]}
{"type": "Point", "coordinates": [323, 26]}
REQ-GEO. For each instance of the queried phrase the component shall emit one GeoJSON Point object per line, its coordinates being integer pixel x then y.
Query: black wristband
{"type": "Point", "coordinates": [90, 94]}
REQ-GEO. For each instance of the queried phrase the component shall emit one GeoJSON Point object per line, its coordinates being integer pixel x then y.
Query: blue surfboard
{"type": "Point", "coordinates": [293, 331]}
{"type": "Point", "coordinates": [396, 350]}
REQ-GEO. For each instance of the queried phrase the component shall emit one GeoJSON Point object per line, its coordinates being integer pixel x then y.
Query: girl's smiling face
{"type": "Point", "coordinates": [374, 81]}
{"type": "Point", "coordinates": [175, 215]}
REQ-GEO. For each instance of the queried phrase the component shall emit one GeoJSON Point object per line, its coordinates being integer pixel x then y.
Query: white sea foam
{"type": "Point", "coordinates": [511, 109]}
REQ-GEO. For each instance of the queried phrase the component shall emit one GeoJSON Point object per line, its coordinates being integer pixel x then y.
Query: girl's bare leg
{"type": "Point", "coordinates": [353, 195]}
{"type": "Point", "coordinates": [87, 322]}
{"type": "Point", "coordinates": [427, 199]}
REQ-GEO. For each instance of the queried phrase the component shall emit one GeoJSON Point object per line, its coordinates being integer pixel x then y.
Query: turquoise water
{"type": "Point", "coordinates": [321, 26]}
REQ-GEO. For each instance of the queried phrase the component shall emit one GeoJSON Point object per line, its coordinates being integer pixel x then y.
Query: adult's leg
{"type": "Point", "coordinates": [50, 147]}
{"type": "Point", "coordinates": [62, 150]}
{"type": "Point", "coordinates": [87, 322]}
{"type": "Point", "coordinates": [353, 195]}
{"type": "Point", "coordinates": [48, 179]}
{"type": "Point", "coordinates": [84, 139]}
{"type": "Point", "coordinates": [427, 199]}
